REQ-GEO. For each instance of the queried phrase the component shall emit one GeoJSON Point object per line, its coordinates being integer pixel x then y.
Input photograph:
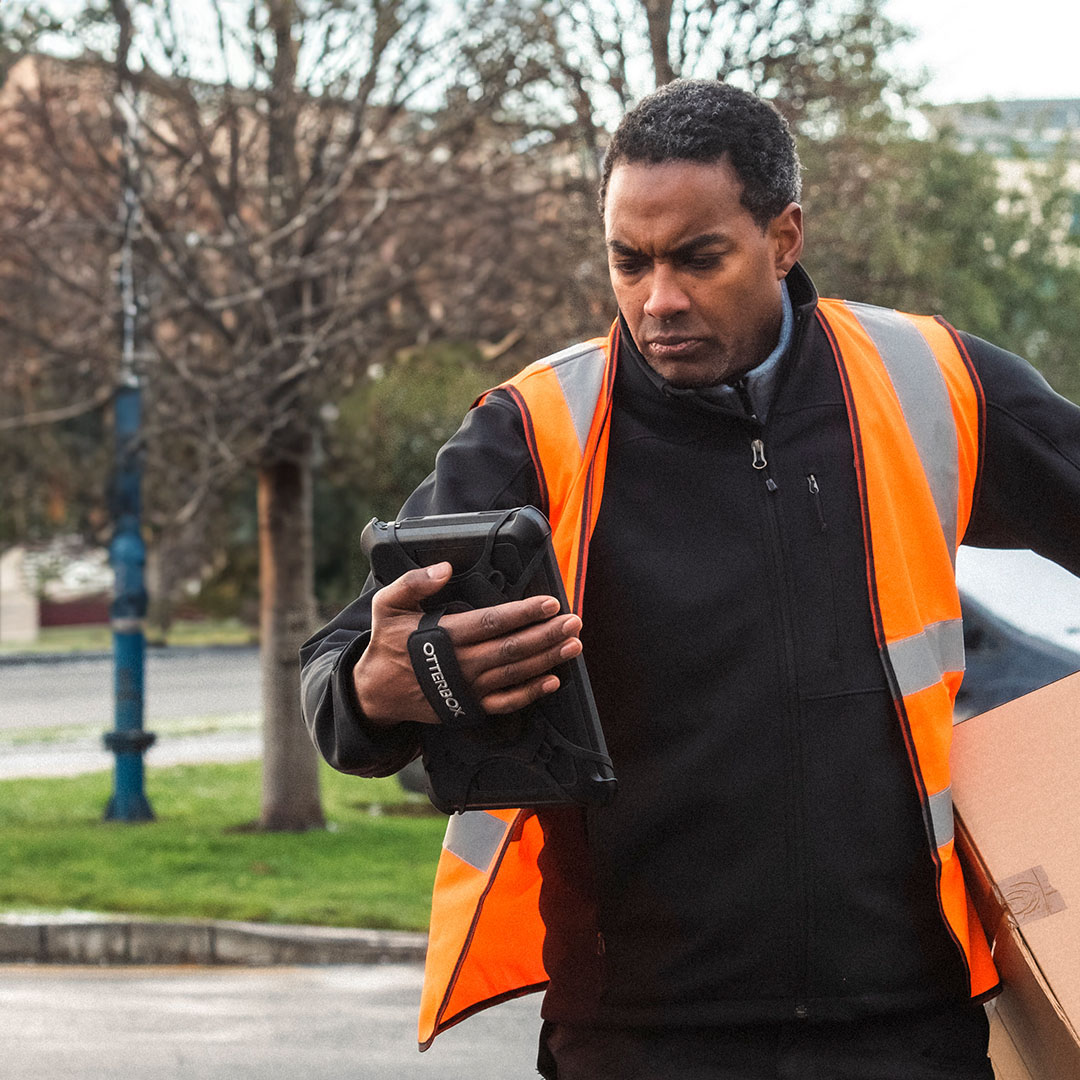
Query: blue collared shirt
{"type": "Point", "coordinates": [759, 382]}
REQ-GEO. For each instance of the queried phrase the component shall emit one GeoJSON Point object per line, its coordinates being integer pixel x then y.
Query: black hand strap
{"type": "Point", "coordinates": [435, 664]}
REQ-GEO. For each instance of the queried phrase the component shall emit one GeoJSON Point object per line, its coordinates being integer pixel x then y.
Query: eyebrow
{"type": "Point", "coordinates": [698, 242]}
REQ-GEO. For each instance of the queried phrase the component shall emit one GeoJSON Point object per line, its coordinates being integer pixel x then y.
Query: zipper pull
{"type": "Point", "coordinates": [760, 462]}
{"type": "Point", "coordinates": [815, 494]}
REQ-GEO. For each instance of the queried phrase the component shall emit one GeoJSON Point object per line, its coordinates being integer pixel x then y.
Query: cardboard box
{"type": "Point", "coordinates": [1008, 1064]}
{"type": "Point", "coordinates": [1016, 790]}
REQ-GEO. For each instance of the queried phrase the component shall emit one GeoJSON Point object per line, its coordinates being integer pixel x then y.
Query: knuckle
{"type": "Point", "coordinates": [509, 650]}
{"type": "Point", "coordinates": [508, 675]}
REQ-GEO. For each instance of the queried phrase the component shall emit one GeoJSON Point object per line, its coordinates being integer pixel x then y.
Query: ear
{"type": "Point", "coordinates": [786, 235]}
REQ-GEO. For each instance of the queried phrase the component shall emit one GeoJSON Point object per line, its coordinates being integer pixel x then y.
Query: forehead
{"type": "Point", "coordinates": [650, 206]}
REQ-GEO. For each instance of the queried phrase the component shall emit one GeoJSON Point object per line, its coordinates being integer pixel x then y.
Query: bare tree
{"type": "Point", "coordinates": [57, 338]}
{"type": "Point", "coordinates": [311, 199]}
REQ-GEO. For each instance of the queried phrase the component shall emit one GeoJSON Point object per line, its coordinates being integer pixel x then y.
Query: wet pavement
{"type": "Point", "coordinates": [347, 1022]}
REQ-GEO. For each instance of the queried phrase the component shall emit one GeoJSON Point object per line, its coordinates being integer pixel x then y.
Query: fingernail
{"type": "Point", "coordinates": [438, 570]}
{"type": "Point", "coordinates": [550, 606]}
{"type": "Point", "coordinates": [550, 684]}
{"type": "Point", "coordinates": [571, 648]}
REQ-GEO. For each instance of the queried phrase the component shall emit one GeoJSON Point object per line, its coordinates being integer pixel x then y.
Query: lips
{"type": "Point", "coordinates": [672, 348]}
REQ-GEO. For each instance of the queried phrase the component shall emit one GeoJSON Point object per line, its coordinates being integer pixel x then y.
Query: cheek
{"type": "Point", "coordinates": [738, 299]}
{"type": "Point", "coordinates": [629, 297]}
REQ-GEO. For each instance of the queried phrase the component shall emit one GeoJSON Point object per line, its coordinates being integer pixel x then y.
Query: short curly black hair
{"type": "Point", "coordinates": [707, 121]}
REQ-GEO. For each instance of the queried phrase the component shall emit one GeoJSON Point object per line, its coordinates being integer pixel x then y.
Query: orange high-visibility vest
{"type": "Point", "coordinates": [914, 407]}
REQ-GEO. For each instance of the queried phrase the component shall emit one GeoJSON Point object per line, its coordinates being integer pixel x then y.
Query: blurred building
{"type": "Point", "coordinates": [1024, 137]}
{"type": "Point", "coordinates": [18, 602]}
{"type": "Point", "coordinates": [1034, 128]}
{"type": "Point", "coordinates": [60, 582]}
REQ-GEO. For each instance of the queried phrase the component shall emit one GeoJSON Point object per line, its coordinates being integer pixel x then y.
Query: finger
{"type": "Point", "coordinates": [508, 701]}
{"type": "Point", "coordinates": [521, 672]}
{"type": "Point", "coordinates": [522, 645]}
{"type": "Point", "coordinates": [407, 591]}
{"type": "Point", "coordinates": [484, 624]}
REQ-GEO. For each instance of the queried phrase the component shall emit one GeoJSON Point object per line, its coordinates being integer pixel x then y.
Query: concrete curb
{"type": "Point", "coordinates": [101, 939]}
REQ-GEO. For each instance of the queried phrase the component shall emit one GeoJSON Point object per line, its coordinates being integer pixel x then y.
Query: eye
{"type": "Point", "coordinates": [702, 261]}
{"type": "Point", "coordinates": [628, 266]}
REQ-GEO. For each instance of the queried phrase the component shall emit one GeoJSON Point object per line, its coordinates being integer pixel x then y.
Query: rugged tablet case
{"type": "Point", "coordinates": [550, 753]}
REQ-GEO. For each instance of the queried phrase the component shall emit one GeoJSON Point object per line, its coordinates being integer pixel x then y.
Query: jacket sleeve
{"type": "Point", "coordinates": [486, 465]}
{"type": "Point", "coordinates": [1028, 492]}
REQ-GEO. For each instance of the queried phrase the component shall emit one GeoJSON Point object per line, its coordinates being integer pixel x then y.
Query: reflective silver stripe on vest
{"type": "Point", "coordinates": [924, 401]}
{"type": "Point", "coordinates": [580, 370]}
{"type": "Point", "coordinates": [474, 837]}
{"type": "Point", "coordinates": [941, 817]}
{"type": "Point", "coordinates": [921, 660]}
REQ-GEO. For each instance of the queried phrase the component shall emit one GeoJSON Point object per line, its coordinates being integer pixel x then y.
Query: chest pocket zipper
{"type": "Point", "coordinates": [815, 495]}
{"type": "Point", "coordinates": [829, 600]}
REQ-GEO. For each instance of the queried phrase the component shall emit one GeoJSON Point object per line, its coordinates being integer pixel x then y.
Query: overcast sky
{"type": "Point", "coordinates": [990, 48]}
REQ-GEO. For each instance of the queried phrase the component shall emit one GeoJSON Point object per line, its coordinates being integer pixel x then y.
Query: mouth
{"type": "Point", "coordinates": [673, 348]}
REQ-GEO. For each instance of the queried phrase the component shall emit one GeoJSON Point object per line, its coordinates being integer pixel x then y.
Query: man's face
{"type": "Point", "coordinates": [696, 278]}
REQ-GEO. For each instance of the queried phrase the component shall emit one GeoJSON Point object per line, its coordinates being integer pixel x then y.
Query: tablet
{"type": "Point", "coordinates": [547, 754]}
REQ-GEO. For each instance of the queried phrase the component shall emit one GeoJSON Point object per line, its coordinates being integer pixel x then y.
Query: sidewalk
{"type": "Point", "coordinates": [86, 753]}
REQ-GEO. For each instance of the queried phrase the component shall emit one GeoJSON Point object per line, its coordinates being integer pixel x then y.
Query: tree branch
{"type": "Point", "coordinates": [55, 416]}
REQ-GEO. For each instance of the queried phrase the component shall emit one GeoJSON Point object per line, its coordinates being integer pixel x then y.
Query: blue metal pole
{"type": "Point", "coordinates": [127, 552]}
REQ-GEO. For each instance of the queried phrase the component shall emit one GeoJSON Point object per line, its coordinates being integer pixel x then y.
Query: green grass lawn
{"type": "Point", "coordinates": [373, 867]}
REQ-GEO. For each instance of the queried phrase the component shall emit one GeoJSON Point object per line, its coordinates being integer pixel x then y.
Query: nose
{"type": "Point", "coordinates": [666, 297]}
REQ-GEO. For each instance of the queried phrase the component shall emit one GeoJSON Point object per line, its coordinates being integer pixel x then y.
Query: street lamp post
{"type": "Point", "coordinates": [127, 552]}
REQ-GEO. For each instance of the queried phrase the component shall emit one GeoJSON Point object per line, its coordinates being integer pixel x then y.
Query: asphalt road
{"type": "Point", "coordinates": [319, 1023]}
{"type": "Point", "coordinates": [180, 683]}
{"type": "Point", "coordinates": [203, 705]}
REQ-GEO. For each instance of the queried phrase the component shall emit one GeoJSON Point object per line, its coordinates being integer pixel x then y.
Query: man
{"type": "Point", "coordinates": [756, 497]}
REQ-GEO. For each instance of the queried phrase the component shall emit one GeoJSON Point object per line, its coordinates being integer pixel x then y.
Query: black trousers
{"type": "Point", "coordinates": [943, 1043]}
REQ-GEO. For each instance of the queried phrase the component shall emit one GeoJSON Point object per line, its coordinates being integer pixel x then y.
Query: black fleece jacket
{"type": "Point", "coordinates": [765, 857]}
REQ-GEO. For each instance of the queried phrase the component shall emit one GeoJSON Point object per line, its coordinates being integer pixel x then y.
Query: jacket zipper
{"type": "Point", "coordinates": [760, 463]}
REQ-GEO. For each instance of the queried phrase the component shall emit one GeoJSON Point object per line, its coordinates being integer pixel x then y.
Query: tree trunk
{"type": "Point", "coordinates": [658, 14]}
{"type": "Point", "coordinates": [290, 786]}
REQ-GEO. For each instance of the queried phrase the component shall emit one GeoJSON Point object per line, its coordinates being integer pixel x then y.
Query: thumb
{"type": "Point", "coordinates": [405, 593]}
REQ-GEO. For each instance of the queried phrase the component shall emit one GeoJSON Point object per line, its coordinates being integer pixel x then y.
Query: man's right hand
{"type": "Point", "coordinates": [505, 652]}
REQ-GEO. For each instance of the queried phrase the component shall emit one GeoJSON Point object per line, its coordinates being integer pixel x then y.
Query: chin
{"type": "Point", "coordinates": [696, 374]}
{"type": "Point", "coordinates": [693, 380]}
